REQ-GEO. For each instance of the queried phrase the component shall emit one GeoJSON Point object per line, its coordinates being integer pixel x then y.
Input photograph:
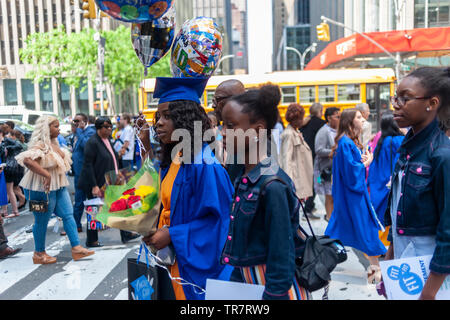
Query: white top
{"type": "Point", "coordinates": [407, 246]}
{"type": "Point", "coordinates": [128, 135]}
{"type": "Point", "coordinates": [49, 160]}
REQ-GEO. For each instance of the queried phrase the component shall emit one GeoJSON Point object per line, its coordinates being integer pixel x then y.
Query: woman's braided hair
{"type": "Point", "coordinates": [184, 114]}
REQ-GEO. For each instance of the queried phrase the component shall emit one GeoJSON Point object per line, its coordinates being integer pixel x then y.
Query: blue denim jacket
{"type": "Point", "coordinates": [424, 204]}
{"type": "Point", "coordinates": [263, 228]}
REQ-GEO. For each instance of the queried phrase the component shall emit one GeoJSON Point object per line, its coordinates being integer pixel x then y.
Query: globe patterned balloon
{"type": "Point", "coordinates": [152, 40]}
{"type": "Point", "coordinates": [197, 49]}
{"type": "Point", "coordinates": [135, 11]}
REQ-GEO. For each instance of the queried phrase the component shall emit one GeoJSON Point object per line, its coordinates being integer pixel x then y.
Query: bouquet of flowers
{"type": "Point", "coordinates": [133, 205]}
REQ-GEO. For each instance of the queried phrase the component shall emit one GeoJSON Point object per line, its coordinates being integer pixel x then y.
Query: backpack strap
{"type": "Point", "coordinates": [277, 178]}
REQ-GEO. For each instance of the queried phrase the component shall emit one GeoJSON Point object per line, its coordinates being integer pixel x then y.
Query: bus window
{"type": "Point", "coordinates": [326, 93]}
{"type": "Point", "coordinates": [288, 95]}
{"type": "Point", "coordinates": [378, 100]}
{"type": "Point", "coordinates": [151, 102]}
{"type": "Point", "coordinates": [307, 94]}
{"type": "Point", "coordinates": [348, 92]}
{"type": "Point", "coordinates": [209, 95]}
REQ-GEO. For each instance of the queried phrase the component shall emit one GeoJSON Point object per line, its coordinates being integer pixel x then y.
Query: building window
{"type": "Point", "coordinates": [326, 93]}
{"type": "Point", "coordinates": [28, 95]}
{"type": "Point", "coordinates": [298, 37]}
{"type": "Point", "coordinates": [307, 94]}
{"type": "Point", "coordinates": [10, 92]}
{"type": "Point", "coordinates": [46, 98]}
{"type": "Point", "coordinates": [289, 95]}
{"type": "Point", "coordinates": [64, 104]}
{"type": "Point", "coordinates": [82, 96]}
{"type": "Point", "coordinates": [349, 92]}
{"type": "Point", "coordinates": [431, 13]}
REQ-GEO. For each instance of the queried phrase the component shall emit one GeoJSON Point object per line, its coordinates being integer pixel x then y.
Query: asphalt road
{"type": "Point", "coordinates": [103, 276]}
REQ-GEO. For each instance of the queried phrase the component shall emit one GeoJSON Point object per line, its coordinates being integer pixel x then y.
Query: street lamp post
{"type": "Point", "coordinates": [311, 48]}
{"type": "Point", "coordinates": [396, 58]}
{"type": "Point", "coordinates": [230, 56]}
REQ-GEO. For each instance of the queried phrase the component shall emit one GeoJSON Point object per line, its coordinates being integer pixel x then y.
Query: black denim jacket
{"type": "Point", "coordinates": [263, 228]}
{"type": "Point", "coordinates": [424, 205]}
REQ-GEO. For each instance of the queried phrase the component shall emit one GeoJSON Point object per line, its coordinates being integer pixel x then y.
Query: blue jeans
{"type": "Point", "coordinates": [78, 207]}
{"type": "Point", "coordinates": [61, 205]}
{"type": "Point", "coordinates": [127, 163]}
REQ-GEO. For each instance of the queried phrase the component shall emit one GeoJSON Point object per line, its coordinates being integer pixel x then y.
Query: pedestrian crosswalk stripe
{"type": "Point", "coordinates": [79, 278]}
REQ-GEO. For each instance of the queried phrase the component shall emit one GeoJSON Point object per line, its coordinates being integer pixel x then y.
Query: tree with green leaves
{"type": "Point", "coordinates": [72, 59]}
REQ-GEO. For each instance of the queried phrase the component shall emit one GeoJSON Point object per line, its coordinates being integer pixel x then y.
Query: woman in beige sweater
{"type": "Point", "coordinates": [45, 180]}
{"type": "Point", "coordinates": [295, 156]}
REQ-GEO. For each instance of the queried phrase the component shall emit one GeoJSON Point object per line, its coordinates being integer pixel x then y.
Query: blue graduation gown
{"type": "Point", "coordinates": [353, 220]}
{"type": "Point", "coordinates": [380, 173]}
{"type": "Point", "coordinates": [199, 219]}
{"type": "Point", "coordinates": [3, 193]}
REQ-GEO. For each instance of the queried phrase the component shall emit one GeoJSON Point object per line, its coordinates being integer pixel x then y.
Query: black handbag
{"type": "Point", "coordinates": [40, 206]}
{"type": "Point", "coordinates": [326, 174]}
{"type": "Point", "coordinates": [320, 256]}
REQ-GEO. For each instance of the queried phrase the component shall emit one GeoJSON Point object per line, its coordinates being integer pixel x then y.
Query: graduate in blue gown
{"type": "Point", "coordinates": [353, 220]}
{"type": "Point", "coordinates": [196, 192]}
{"type": "Point", "coordinates": [385, 158]}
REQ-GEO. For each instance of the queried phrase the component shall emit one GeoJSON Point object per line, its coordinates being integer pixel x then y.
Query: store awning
{"type": "Point", "coordinates": [357, 51]}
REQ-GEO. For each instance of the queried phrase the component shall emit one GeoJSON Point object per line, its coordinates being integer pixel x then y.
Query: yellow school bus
{"type": "Point", "coordinates": [332, 88]}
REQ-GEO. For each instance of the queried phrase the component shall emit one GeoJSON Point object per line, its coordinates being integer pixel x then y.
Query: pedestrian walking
{"type": "Point", "coordinates": [384, 159]}
{"type": "Point", "coordinates": [323, 163]}
{"type": "Point", "coordinates": [83, 133]}
{"type": "Point", "coordinates": [366, 134]}
{"type": "Point", "coordinates": [353, 221]}
{"type": "Point", "coordinates": [296, 156]}
{"type": "Point", "coordinates": [9, 148]}
{"type": "Point", "coordinates": [45, 180]}
{"type": "Point", "coordinates": [5, 250]}
{"type": "Point", "coordinates": [195, 190]}
{"type": "Point", "coordinates": [126, 152]}
{"type": "Point", "coordinates": [263, 241]}
{"type": "Point", "coordinates": [419, 202]}
{"type": "Point", "coordinates": [309, 130]}
{"type": "Point", "coordinates": [99, 158]}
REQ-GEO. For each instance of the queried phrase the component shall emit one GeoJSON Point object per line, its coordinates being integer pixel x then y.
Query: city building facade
{"type": "Point", "coordinates": [19, 18]}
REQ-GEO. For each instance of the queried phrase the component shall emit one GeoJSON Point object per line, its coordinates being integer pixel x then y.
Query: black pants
{"type": "Point", "coordinates": [3, 239]}
{"type": "Point", "coordinates": [92, 235]}
{"type": "Point", "coordinates": [309, 204]}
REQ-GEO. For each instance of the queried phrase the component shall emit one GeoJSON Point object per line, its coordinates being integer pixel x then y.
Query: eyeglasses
{"type": "Point", "coordinates": [401, 101]}
{"type": "Point", "coordinates": [216, 101]}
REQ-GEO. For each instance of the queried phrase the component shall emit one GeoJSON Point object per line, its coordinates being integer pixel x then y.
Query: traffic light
{"type": "Point", "coordinates": [323, 32]}
{"type": "Point", "coordinates": [88, 7]}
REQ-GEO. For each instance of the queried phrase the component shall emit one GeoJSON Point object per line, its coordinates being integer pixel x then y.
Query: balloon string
{"type": "Point", "coordinates": [154, 261]}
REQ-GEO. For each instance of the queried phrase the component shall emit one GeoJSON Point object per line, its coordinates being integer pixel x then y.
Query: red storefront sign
{"type": "Point", "coordinates": [416, 40]}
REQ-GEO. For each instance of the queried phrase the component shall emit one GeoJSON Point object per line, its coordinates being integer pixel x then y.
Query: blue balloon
{"type": "Point", "coordinates": [135, 11]}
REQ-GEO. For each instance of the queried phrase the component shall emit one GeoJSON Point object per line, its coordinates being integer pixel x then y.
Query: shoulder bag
{"type": "Point", "coordinates": [40, 206]}
{"type": "Point", "coordinates": [321, 255]}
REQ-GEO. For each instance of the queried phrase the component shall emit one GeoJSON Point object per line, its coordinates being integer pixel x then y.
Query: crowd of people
{"type": "Point", "coordinates": [231, 210]}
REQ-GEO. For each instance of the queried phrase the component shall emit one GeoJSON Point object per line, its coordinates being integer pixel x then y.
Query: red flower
{"type": "Point", "coordinates": [118, 205]}
{"type": "Point", "coordinates": [129, 191]}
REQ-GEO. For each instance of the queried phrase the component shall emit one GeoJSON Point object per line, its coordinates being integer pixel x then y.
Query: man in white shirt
{"type": "Point", "coordinates": [366, 135]}
{"type": "Point", "coordinates": [127, 136]}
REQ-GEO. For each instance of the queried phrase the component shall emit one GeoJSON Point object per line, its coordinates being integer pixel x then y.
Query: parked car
{"type": "Point", "coordinates": [29, 117]}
